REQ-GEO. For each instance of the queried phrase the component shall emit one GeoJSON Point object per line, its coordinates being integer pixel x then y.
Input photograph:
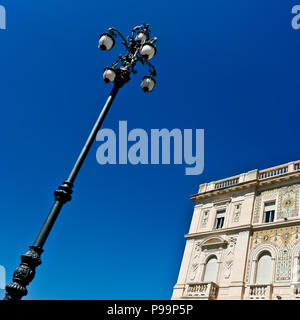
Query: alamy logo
{"type": "Point", "coordinates": [161, 142]}
{"type": "Point", "coordinates": [296, 19]}
{"type": "Point", "coordinates": [2, 18]}
{"type": "Point", "coordinates": [2, 277]}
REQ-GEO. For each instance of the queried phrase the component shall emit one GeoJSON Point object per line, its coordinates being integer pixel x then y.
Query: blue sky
{"type": "Point", "coordinates": [228, 67]}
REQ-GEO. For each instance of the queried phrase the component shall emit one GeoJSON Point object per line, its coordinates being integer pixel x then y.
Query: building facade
{"type": "Point", "coordinates": [244, 238]}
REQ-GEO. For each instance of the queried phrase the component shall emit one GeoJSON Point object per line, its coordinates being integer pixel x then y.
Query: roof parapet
{"type": "Point", "coordinates": [252, 175]}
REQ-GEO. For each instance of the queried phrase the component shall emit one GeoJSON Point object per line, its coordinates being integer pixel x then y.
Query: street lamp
{"type": "Point", "coordinates": [139, 48]}
{"type": "Point", "coordinates": [148, 83]}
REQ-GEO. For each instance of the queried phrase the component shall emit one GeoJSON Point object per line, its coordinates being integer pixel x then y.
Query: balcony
{"type": "Point", "coordinates": [259, 292]}
{"type": "Point", "coordinates": [227, 183]}
{"type": "Point", "coordinates": [202, 290]}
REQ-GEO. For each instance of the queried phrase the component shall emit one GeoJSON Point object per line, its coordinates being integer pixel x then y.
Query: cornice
{"type": "Point", "coordinates": [277, 224]}
{"type": "Point", "coordinates": [213, 193]}
{"type": "Point", "coordinates": [256, 184]}
{"type": "Point", "coordinates": [279, 179]}
{"type": "Point", "coordinates": [247, 227]}
{"type": "Point", "coordinates": [218, 231]}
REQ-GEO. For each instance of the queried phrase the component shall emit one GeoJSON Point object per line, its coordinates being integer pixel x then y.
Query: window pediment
{"type": "Point", "coordinates": [214, 242]}
{"type": "Point", "coordinates": [221, 203]}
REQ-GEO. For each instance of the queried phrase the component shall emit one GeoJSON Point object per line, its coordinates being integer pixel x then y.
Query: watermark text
{"type": "Point", "coordinates": [158, 144]}
{"type": "Point", "coordinates": [2, 278]}
{"type": "Point", "coordinates": [296, 19]}
{"type": "Point", "coordinates": [2, 18]}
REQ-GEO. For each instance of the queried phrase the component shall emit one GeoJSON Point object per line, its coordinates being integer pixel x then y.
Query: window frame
{"type": "Point", "coordinates": [261, 254]}
{"type": "Point", "coordinates": [222, 218]}
{"type": "Point", "coordinates": [269, 213]}
{"type": "Point", "coordinates": [213, 256]}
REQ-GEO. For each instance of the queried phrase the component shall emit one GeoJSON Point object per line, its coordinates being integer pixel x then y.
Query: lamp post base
{"type": "Point", "coordinates": [24, 274]}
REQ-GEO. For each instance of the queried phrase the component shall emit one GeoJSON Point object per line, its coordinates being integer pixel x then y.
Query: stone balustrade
{"type": "Point", "coordinates": [263, 174]}
{"type": "Point", "coordinates": [204, 290]}
{"type": "Point", "coordinates": [227, 183]}
{"type": "Point", "coordinates": [259, 292]}
{"type": "Point", "coordinates": [254, 175]}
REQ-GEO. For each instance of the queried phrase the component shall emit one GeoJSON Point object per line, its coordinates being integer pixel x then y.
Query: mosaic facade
{"type": "Point", "coordinates": [283, 241]}
{"type": "Point", "coordinates": [287, 204]}
{"type": "Point", "coordinates": [244, 238]}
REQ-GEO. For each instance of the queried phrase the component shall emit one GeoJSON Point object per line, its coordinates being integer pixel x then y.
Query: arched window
{"type": "Point", "coordinates": [264, 268]}
{"type": "Point", "coordinates": [210, 271]}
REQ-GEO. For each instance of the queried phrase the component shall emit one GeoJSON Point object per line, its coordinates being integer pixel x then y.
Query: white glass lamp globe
{"type": "Point", "coordinates": [106, 41]}
{"type": "Point", "coordinates": [109, 75]}
{"type": "Point", "coordinates": [148, 51]}
{"type": "Point", "coordinates": [148, 83]}
{"type": "Point", "coordinates": [142, 37]}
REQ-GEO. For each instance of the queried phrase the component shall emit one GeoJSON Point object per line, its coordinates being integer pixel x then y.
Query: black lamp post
{"type": "Point", "coordinates": [139, 48]}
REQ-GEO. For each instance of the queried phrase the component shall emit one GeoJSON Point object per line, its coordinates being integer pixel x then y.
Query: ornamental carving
{"type": "Point", "coordinates": [195, 261]}
{"type": "Point", "coordinates": [284, 264]}
{"type": "Point", "coordinates": [257, 209]}
{"type": "Point", "coordinates": [229, 257]}
{"type": "Point", "coordinates": [288, 204]}
{"type": "Point", "coordinates": [205, 216]}
{"type": "Point", "coordinates": [237, 212]}
{"type": "Point", "coordinates": [194, 271]}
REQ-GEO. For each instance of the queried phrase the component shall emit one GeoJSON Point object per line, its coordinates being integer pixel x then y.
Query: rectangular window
{"type": "Point", "coordinates": [220, 219]}
{"type": "Point", "coordinates": [269, 212]}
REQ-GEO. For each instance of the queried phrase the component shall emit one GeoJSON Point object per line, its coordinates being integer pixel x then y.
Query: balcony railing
{"type": "Point", "coordinates": [254, 175]}
{"type": "Point", "coordinates": [259, 292]}
{"type": "Point", "coordinates": [202, 290]}
{"type": "Point", "coordinates": [227, 183]}
{"type": "Point", "coordinates": [273, 173]}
